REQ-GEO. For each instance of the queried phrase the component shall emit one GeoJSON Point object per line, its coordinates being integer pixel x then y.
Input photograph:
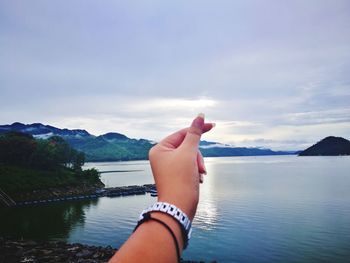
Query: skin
{"type": "Point", "coordinates": [178, 168]}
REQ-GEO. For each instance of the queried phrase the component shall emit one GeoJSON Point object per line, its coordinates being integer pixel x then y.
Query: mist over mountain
{"type": "Point", "coordinates": [215, 149]}
{"type": "Point", "coordinates": [107, 147]}
{"type": "Point", "coordinates": [114, 146]}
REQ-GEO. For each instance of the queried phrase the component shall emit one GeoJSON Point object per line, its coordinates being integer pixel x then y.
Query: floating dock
{"type": "Point", "coordinates": [108, 192]}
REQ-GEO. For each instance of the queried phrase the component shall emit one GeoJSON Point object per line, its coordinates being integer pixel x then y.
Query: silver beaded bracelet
{"type": "Point", "coordinates": [176, 213]}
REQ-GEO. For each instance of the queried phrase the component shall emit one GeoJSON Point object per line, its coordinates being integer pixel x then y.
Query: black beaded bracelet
{"type": "Point", "coordinates": [147, 217]}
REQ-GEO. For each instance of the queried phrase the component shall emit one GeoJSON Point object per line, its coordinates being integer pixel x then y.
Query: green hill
{"type": "Point", "coordinates": [111, 146]}
{"type": "Point", "coordinates": [124, 149]}
{"type": "Point", "coordinates": [29, 165]}
{"type": "Point", "coordinates": [329, 146]}
{"type": "Point", "coordinates": [114, 146]}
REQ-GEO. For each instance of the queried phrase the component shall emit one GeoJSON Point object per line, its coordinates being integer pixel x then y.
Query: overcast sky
{"type": "Point", "coordinates": [271, 74]}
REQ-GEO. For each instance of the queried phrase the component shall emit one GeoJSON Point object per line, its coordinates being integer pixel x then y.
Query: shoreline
{"type": "Point", "coordinates": [205, 155]}
{"type": "Point", "coordinates": [30, 251]}
{"type": "Point", "coordinates": [17, 250]}
{"type": "Point", "coordinates": [55, 192]}
{"type": "Point", "coordinates": [37, 197]}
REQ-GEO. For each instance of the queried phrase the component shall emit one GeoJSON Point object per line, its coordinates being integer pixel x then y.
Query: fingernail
{"type": "Point", "coordinates": [198, 122]}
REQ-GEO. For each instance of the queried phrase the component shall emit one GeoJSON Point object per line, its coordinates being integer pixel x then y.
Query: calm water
{"type": "Point", "coordinates": [252, 209]}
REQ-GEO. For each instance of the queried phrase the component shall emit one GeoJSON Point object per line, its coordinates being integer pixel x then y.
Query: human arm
{"type": "Point", "coordinates": [176, 166]}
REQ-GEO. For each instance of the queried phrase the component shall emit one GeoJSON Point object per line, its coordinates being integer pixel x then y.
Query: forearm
{"type": "Point", "coordinates": [151, 242]}
{"type": "Point", "coordinates": [176, 166]}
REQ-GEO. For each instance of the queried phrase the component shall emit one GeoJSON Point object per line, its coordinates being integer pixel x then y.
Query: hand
{"type": "Point", "coordinates": [177, 166]}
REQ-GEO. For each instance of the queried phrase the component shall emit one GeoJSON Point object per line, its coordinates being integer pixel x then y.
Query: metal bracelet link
{"type": "Point", "coordinates": [174, 212]}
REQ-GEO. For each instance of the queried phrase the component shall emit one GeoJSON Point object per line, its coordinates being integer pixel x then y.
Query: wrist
{"type": "Point", "coordinates": [175, 213]}
{"type": "Point", "coordinates": [172, 224]}
{"type": "Point", "coordinates": [188, 207]}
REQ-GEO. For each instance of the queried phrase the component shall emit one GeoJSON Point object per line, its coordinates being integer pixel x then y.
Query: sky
{"type": "Point", "coordinates": [272, 74]}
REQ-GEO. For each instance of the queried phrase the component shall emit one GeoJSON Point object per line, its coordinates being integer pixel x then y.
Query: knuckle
{"type": "Point", "coordinates": [195, 131]}
{"type": "Point", "coordinates": [152, 152]}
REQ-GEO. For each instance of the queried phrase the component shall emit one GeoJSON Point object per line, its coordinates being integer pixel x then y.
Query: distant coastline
{"type": "Point", "coordinates": [114, 146]}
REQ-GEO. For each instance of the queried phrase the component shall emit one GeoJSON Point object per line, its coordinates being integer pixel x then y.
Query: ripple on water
{"type": "Point", "coordinates": [269, 209]}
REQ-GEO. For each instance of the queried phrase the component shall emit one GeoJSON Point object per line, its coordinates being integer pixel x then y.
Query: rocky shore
{"type": "Point", "coordinates": [28, 251]}
{"type": "Point", "coordinates": [12, 251]}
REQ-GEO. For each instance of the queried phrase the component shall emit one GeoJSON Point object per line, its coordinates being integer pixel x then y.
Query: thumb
{"type": "Point", "coordinates": [194, 133]}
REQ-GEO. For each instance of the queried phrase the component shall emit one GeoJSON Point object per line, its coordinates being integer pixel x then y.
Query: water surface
{"type": "Point", "coordinates": [252, 209]}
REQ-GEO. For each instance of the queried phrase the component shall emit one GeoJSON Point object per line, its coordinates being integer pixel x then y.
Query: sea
{"type": "Point", "coordinates": [251, 209]}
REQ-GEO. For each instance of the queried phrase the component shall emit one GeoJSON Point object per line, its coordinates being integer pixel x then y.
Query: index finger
{"type": "Point", "coordinates": [174, 140]}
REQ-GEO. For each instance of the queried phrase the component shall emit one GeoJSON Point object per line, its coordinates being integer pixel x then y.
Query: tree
{"type": "Point", "coordinates": [77, 160]}
{"type": "Point", "coordinates": [22, 149]}
{"type": "Point", "coordinates": [17, 148]}
{"type": "Point", "coordinates": [60, 150]}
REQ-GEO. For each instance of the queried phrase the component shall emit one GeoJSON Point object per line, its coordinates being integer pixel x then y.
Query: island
{"type": "Point", "coordinates": [329, 146]}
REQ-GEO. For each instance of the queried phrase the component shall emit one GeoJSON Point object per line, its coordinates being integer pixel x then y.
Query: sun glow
{"type": "Point", "coordinates": [174, 104]}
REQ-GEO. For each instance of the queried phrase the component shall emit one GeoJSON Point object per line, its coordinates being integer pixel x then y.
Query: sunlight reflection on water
{"type": "Point", "coordinates": [207, 212]}
{"type": "Point", "coordinates": [251, 209]}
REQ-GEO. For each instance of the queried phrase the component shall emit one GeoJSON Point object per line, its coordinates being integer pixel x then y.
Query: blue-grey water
{"type": "Point", "coordinates": [252, 209]}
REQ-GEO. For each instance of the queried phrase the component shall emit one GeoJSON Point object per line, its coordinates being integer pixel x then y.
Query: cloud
{"type": "Point", "coordinates": [268, 73]}
{"type": "Point", "coordinates": [318, 117]}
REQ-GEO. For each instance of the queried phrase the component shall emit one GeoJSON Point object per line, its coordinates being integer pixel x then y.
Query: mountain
{"type": "Point", "coordinates": [43, 131]}
{"type": "Point", "coordinates": [215, 149]}
{"type": "Point", "coordinates": [114, 146]}
{"type": "Point", "coordinates": [107, 147]}
{"type": "Point", "coordinates": [329, 146]}
{"type": "Point", "coordinates": [113, 136]}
